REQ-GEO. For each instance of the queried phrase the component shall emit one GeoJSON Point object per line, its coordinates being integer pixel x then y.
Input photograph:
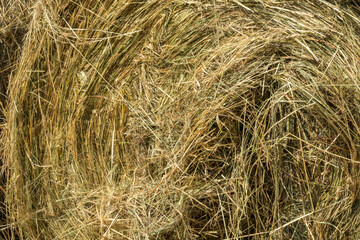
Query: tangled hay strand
{"type": "Point", "coordinates": [186, 120]}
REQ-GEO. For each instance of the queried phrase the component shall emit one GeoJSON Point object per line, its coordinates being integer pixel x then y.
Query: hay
{"type": "Point", "coordinates": [13, 15]}
{"type": "Point", "coordinates": [13, 18]}
{"type": "Point", "coordinates": [186, 120]}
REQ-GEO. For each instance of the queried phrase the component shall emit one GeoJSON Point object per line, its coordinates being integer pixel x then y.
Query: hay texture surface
{"type": "Point", "coordinates": [186, 120]}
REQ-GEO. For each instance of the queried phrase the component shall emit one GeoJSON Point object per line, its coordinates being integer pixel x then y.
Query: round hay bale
{"type": "Point", "coordinates": [186, 120]}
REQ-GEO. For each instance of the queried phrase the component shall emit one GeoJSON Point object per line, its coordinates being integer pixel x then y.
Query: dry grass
{"type": "Point", "coordinates": [13, 20]}
{"type": "Point", "coordinates": [185, 120]}
{"type": "Point", "coordinates": [14, 16]}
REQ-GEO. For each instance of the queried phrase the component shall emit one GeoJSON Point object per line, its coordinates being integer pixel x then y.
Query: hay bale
{"type": "Point", "coordinates": [186, 120]}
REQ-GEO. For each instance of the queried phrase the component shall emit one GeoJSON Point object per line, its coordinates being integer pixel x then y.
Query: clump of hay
{"type": "Point", "coordinates": [13, 18]}
{"type": "Point", "coordinates": [186, 120]}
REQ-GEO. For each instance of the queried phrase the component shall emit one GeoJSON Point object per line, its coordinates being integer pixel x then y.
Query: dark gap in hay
{"type": "Point", "coordinates": [207, 223]}
{"type": "Point", "coordinates": [214, 163]}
